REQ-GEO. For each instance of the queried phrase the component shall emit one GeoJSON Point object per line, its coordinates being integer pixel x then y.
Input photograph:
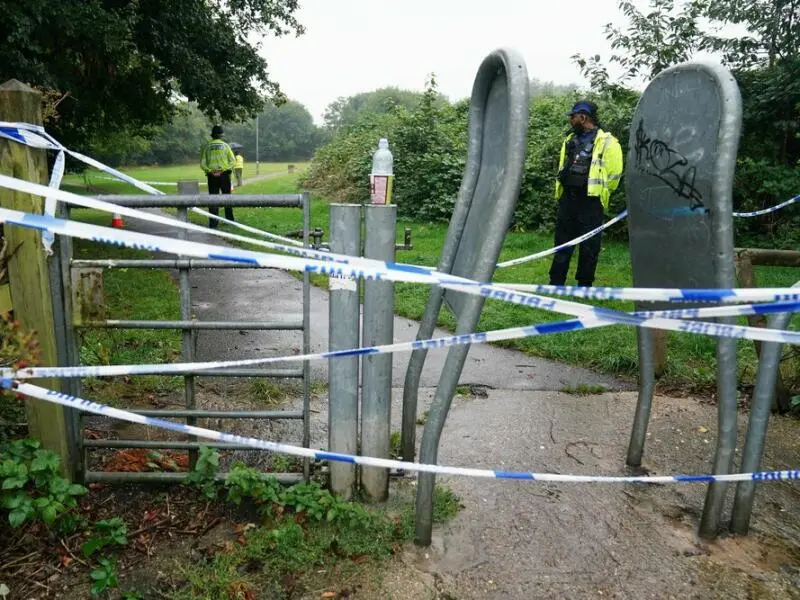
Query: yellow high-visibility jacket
{"type": "Point", "coordinates": [605, 170]}
{"type": "Point", "coordinates": [239, 161]}
{"type": "Point", "coordinates": [216, 156]}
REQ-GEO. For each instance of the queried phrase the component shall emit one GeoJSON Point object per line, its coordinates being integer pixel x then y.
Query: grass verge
{"type": "Point", "coordinates": [293, 555]}
{"type": "Point", "coordinates": [129, 294]}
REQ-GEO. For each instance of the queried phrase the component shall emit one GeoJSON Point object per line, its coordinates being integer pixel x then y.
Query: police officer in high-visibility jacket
{"type": "Point", "coordinates": [217, 161]}
{"type": "Point", "coordinates": [239, 167]}
{"type": "Point", "coordinates": [588, 171]}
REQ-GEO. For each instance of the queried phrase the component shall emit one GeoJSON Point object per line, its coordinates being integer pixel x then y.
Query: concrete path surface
{"type": "Point", "coordinates": [516, 539]}
{"type": "Point", "coordinates": [258, 294]}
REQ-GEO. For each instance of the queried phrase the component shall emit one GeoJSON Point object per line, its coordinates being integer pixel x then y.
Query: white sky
{"type": "Point", "coordinates": [353, 46]}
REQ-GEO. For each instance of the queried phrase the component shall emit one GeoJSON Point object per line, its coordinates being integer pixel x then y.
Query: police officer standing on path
{"type": "Point", "coordinates": [588, 171]}
{"type": "Point", "coordinates": [239, 167]}
{"type": "Point", "coordinates": [217, 161]}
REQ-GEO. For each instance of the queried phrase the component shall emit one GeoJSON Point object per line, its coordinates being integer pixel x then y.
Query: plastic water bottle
{"type": "Point", "coordinates": [382, 176]}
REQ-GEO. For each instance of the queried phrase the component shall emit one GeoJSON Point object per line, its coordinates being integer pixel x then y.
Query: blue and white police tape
{"type": "Point", "coordinates": [163, 183]}
{"type": "Point", "coordinates": [391, 272]}
{"type": "Point", "coordinates": [40, 393]}
{"type": "Point", "coordinates": [35, 136]}
{"type": "Point", "coordinates": [766, 211]}
{"type": "Point", "coordinates": [677, 295]}
{"type": "Point", "coordinates": [38, 138]}
{"type": "Point", "coordinates": [430, 344]}
{"type": "Point", "coordinates": [617, 219]}
{"type": "Point", "coordinates": [569, 244]}
{"type": "Point", "coordinates": [595, 293]}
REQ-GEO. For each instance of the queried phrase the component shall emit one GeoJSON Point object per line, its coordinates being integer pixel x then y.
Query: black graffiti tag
{"type": "Point", "coordinates": [670, 166]}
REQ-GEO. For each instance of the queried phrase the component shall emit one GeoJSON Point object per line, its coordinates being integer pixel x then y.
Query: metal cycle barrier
{"type": "Point", "coordinates": [71, 270]}
{"type": "Point", "coordinates": [498, 124]}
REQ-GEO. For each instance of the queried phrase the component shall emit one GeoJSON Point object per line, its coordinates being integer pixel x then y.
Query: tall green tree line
{"type": "Point", "coordinates": [286, 132]}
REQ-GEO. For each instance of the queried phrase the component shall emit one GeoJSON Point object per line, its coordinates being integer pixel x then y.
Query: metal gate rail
{"type": "Point", "coordinates": [190, 329]}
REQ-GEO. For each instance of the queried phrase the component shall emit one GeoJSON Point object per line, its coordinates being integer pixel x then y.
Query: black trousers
{"type": "Point", "coordinates": [577, 215]}
{"type": "Point", "coordinates": [219, 184]}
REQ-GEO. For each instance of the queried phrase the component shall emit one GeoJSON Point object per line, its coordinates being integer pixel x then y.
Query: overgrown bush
{"type": "Point", "coordinates": [429, 144]}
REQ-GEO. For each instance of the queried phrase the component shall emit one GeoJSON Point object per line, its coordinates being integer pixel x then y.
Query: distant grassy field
{"type": "Point", "coordinates": [162, 178]}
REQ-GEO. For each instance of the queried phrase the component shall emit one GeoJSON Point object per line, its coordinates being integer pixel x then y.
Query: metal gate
{"type": "Point", "coordinates": [71, 272]}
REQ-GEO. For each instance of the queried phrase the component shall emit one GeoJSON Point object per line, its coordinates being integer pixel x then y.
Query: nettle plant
{"type": "Point", "coordinates": [33, 489]}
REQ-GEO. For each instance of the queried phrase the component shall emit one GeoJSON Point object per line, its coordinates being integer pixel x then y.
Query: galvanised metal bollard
{"type": "Point", "coordinates": [376, 402]}
{"type": "Point", "coordinates": [756, 436]}
{"type": "Point", "coordinates": [344, 314]}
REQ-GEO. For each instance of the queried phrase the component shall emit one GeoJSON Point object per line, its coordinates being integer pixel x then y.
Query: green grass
{"type": "Point", "coordinates": [270, 392]}
{"type": "Point", "coordinates": [692, 358]}
{"type": "Point", "coordinates": [107, 184]}
{"type": "Point", "coordinates": [129, 294]}
{"type": "Point", "coordinates": [292, 557]}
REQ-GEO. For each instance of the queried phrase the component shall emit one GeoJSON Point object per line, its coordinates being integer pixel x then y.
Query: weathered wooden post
{"type": "Point", "coordinates": [28, 269]}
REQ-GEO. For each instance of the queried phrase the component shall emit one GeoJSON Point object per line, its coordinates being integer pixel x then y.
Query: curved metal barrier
{"type": "Point", "coordinates": [498, 132]}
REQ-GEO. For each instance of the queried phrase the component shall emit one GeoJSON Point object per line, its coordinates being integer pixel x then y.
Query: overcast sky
{"type": "Point", "coordinates": [353, 46]}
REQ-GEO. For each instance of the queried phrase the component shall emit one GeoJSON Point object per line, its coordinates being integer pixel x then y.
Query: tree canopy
{"type": "Point", "coordinates": [286, 132]}
{"type": "Point", "coordinates": [345, 110]}
{"type": "Point", "coordinates": [118, 66]}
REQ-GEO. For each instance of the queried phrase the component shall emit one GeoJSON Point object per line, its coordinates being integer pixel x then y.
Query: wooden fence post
{"type": "Point", "coordinates": [28, 270]}
{"type": "Point", "coordinates": [746, 260]}
{"type": "Point", "coordinates": [660, 352]}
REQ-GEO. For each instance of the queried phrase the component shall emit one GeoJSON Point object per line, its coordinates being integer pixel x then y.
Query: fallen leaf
{"type": "Point", "coordinates": [702, 429]}
{"type": "Point", "coordinates": [328, 595]}
{"type": "Point", "coordinates": [242, 527]}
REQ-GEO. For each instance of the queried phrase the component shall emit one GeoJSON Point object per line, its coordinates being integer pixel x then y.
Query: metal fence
{"type": "Point", "coordinates": [71, 271]}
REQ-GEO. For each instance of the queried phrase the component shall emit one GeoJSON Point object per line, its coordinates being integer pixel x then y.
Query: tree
{"type": "Point", "coordinates": [651, 42]}
{"type": "Point", "coordinates": [119, 66]}
{"type": "Point", "coordinates": [538, 87]}
{"type": "Point", "coordinates": [285, 132]}
{"type": "Point", "coordinates": [773, 31]}
{"type": "Point", "coordinates": [344, 111]}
